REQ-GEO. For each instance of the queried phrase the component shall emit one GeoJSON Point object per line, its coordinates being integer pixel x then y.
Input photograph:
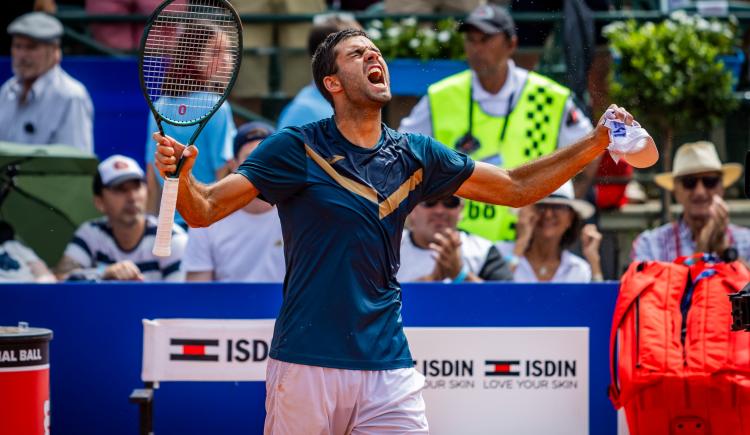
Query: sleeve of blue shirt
{"type": "Point", "coordinates": [278, 167]}
{"type": "Point", "coordinates": [445, 169]}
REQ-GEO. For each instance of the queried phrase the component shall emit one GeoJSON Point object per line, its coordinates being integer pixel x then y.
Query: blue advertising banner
{"type": "Point", "coordinates": [96, 351]}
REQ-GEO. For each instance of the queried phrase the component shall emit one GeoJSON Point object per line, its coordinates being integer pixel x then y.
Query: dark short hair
{"type": "Point", "coordinates": [98, 185]}
{"type": "Point", "coordinates": [318, 34]}
{"type": "Point", "coordinates": [324, 59]}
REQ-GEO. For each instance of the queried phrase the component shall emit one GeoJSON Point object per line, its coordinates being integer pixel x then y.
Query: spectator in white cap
{"type": "Point", "coordinates": [545, 231]}
{"type": "Point", "coordinates": [697, 181]}
{"type": "Point", "coordinates": [41, 104]}
{"type": "Point", "coordinates": [118, 245]}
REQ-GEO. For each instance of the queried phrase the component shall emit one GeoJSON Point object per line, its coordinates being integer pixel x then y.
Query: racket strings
{"type": "Point", "coordinates": [190, 56]}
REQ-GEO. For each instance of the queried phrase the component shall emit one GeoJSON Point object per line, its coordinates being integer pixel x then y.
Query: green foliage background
{"type": "Point", "coordinates": [669, 74]}
{"type": "Point", "coordinates": [409, 39]}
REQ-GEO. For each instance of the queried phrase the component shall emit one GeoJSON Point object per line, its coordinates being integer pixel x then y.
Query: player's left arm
{"type": "Point", "coordinates": [535, 180]}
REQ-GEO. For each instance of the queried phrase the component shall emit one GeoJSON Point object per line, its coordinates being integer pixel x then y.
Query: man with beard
{"type": "Point", "coordinates": [41, 104]}
{"type": "Point", "coordinates": [433, 249]}
{"type": "Point", "coordinates": [118, 245]}
{"type": "Point", "coordinates": [339, 360]}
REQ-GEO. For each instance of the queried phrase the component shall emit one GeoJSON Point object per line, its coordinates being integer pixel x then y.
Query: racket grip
{"type": "Point", "coordinates": [163, 241]}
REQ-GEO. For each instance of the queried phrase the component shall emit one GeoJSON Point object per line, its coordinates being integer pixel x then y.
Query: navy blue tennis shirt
{"type": "Point", "coordinates": [342, 209]}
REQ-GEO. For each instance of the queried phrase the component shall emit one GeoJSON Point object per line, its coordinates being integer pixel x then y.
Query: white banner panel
{"type": "Point", "coordinates": [205, 349]}
{"type": "Point", "coordinates": [504, 380]}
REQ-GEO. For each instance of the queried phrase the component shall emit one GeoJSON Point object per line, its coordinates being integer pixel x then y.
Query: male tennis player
{"type": "Point", "coordinates": [340, 362]}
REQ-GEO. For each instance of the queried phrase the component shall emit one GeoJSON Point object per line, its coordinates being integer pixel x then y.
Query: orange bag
{"type": "Point", "coordinates": [676, 366]}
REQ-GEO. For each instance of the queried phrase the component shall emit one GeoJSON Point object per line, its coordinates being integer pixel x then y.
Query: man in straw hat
{"type": "Point", "coordinates": [697, 180]}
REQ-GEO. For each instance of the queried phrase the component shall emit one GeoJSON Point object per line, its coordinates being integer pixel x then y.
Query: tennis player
{"type": "Point", "coordinates": [339, 360]}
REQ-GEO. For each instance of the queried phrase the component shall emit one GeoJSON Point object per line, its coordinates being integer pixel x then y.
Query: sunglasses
{"type": "Point", "coordinates": [450, 202]}
{"type": "Point", "coordinates": [709, 181]}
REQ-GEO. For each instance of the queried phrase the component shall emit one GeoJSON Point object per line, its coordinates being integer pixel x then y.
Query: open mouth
{"type": "Point", "coordinates": [375, 76]}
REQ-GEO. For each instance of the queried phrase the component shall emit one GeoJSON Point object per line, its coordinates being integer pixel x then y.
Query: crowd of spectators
{"type": "Point", "coordinates": [495, 111]}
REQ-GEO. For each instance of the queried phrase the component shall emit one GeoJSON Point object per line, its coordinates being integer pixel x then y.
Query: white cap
{"type": "Point", "coordinates": [117, 169]}
{"type": "Point", "coordinates": [565, 195]}
{"type": "Point", "coordinates": [37, 25]}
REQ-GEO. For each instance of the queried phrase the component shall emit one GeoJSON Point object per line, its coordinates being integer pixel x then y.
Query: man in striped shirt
{"type": "Point", "coordinates": [118, 245]}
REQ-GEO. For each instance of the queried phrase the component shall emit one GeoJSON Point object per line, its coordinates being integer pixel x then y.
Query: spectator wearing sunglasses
{"type": "Point", "coordinates": [433, 249]}
{"type": "Point", "coordinates": [697, 181]}
{"type": "Point", "coordinates": [545, 231]}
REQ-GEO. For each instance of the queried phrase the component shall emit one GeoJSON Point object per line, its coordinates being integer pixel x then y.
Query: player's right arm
{"type": "Point", "coordinates": [200, 204]}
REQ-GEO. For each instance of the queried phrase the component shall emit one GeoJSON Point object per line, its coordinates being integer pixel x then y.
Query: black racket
{"type": "Point", "coordinates": [189, 59]}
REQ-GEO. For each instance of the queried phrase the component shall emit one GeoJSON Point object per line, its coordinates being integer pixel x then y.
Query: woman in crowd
{"type": "Point", "coordinates": [544, 233]}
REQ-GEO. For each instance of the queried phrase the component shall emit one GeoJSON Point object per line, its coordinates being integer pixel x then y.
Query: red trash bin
{"type": "Point", "coordinates": [24, 380]}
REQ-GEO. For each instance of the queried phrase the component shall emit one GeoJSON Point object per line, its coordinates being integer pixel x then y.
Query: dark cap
{"type": "Point", "coordinates": [37, 25]}
{"type": "Point", "coordinates": [251, 131]}
{"type": "Point", "coordinates": [490, 19]}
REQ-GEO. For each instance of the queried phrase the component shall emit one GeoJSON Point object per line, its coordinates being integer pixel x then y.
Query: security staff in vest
{"type": "Point", "coordinates": [498, 113]}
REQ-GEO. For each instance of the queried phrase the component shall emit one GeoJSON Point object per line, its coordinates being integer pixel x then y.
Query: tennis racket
{"type": "Point", "coordinates": [189, 58]}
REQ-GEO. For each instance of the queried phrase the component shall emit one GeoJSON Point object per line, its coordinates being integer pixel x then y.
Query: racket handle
{"type": "Point", "coordinates": [163, 241]}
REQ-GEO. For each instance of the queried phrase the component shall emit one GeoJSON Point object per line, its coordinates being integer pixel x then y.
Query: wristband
{"type": "Point", "coordinates": [461, 275]}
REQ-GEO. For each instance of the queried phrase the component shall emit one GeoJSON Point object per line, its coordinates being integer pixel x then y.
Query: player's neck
{"type": "Point", "coordinates": [360, 127]}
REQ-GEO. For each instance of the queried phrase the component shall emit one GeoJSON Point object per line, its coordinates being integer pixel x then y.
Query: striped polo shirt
{"type": "Point", "coordinates": [94, 246]}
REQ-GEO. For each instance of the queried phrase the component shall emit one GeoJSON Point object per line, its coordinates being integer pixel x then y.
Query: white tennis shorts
{"type": "Point", "coordinates": [309, 400]}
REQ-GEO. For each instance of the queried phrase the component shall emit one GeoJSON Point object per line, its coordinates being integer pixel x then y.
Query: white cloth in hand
{"type": "Point", "coordinates": [624, 139]}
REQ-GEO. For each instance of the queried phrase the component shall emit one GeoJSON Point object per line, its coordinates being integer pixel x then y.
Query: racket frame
{"type": "Point", "coordinates": [202, 121]}
{"type": "Point", "coordinates": [167, 206]}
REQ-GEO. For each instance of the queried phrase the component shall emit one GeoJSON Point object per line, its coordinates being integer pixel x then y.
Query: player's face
{"type": "Point", "coordinates": [487, 54]}
{"type": "Point", "coordinates": [124, 204]}
{"type": "Point", "coordinates": [31, 58]}
{"type": "Point", "coordinates": [428, 219]}
{"type": "Point", "coordinates": [362, 71]}
{"type": "Point", "coordinates": [553, 220]}
{"type": "Point", "coordinates": [695, 193]}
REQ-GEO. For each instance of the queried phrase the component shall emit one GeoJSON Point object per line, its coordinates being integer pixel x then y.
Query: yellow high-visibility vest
{"type": "Point", "coordinates": [532, 131]}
